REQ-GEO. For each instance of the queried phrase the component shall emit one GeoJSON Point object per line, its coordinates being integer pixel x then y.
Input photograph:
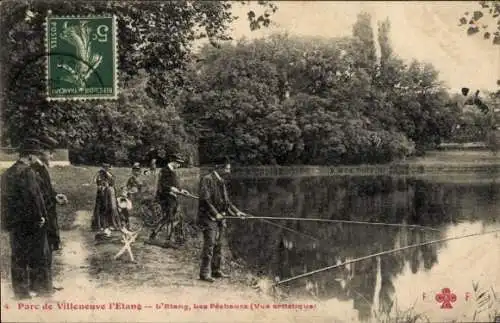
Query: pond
{"type": "Point", "coordinates": [407, 279]}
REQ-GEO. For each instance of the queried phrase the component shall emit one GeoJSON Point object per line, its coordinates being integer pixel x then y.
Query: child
{"type": "Point", "coordinates": [134, 189]}
{"type": "Point", "coordinates": [135, 184]}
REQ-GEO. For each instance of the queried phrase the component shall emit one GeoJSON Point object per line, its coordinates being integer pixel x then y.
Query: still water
{"type": "Point", "coordinates": [408, 279]}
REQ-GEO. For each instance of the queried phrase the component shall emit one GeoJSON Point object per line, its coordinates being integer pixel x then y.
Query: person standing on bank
{"type": "Point", "coordinates": [106, 215]}
{"type": "Point", "coordinates": [25, 217]}
{"type": "Point", "coordinates": [214, 204]}
{"type": "Point", "coordinates": [51, 197]}
{"type": "Point", "coordinates": [166, 194]}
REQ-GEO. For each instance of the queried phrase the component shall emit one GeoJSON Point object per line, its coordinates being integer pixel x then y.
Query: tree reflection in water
{"type": "Point", "coordinates": [276, 252]}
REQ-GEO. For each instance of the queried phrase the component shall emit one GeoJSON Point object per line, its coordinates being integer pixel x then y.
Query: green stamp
{"type": "Point", "coordinates": [81, 58]}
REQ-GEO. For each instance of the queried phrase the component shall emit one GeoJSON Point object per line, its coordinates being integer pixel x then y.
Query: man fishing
{"type": "Point", "coordinates": [214, 204]}
{"type": "Point", "coordinates": [166, 194]}
{"type": "Point", "coordinates": [25, 217]}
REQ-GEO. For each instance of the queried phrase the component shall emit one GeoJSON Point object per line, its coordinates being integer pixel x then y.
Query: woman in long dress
{"type": "Point", "coordinates": [106, 215]}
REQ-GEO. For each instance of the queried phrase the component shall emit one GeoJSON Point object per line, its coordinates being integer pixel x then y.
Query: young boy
{"type": "Point", "coordinates": [134, 187]}
{"type": "Point", "coordinates": [135, 184]}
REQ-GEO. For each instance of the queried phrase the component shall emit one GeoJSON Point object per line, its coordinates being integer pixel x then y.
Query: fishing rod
{"type": "Point", "coordinates": [248, 216]}
{"type": "Point", "coordinates": [188, 194]}
{"type": "Point", "coordinates": [378, 254]}
{"type": "Point", "coordinates": [279, 226]}
{"type": "Point", "coordinates": [413, 226]}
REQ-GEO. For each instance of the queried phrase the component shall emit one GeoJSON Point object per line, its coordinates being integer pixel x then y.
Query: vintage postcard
{"type": "Point", "coordinates": [250, 161]}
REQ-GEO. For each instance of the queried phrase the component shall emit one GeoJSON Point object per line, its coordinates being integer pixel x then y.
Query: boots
{"type": "Point", "coordinates": [220, 274]}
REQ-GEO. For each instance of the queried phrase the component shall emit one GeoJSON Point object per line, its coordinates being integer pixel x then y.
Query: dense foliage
{"type": "Point", "coordinates": [155, 38]}
{"type": "Point", "coordinates": [285, 100]}
{"type": "Point", "coordinates": [279, 100]}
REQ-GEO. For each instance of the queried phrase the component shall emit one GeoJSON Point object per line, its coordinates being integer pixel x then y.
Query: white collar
{"type": "Point", "coordinates": [169, 165]}
{"type": "Point", "coordinates": [24, 160]}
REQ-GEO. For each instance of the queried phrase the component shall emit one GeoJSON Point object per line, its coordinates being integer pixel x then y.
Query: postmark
{"type": "Point", "coordinates": [81, 58]}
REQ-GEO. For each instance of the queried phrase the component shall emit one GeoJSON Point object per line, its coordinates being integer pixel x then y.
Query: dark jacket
{"type": "Point", "coordinates": [21, 197]}
{"type": "Point", "coordinates": [104, 178]}
{"type": "Point", "coordinates": [168, 179]}
{"type": "Point", "coordinates": [214, 197]}
{"type": "Point", "coordinates": [49, 197]}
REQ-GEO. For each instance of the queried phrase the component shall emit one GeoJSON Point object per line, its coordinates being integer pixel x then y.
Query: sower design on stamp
{"type": "Point", "coordinates": [81, 58]}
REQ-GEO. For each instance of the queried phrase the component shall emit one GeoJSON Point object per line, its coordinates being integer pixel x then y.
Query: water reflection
{"type": "Point", "coordinates": [369, 284]}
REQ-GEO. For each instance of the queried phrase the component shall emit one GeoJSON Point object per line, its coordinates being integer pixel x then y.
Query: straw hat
{"type": "Point", "coordinates": [124, 203]}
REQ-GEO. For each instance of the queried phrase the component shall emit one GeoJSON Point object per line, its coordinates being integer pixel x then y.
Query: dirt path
{"type": "Point", "coordinates": [145, 291]}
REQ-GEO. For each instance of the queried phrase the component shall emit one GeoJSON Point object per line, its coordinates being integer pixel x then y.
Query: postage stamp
{"type": "Point", "coordinates": [81, 57]}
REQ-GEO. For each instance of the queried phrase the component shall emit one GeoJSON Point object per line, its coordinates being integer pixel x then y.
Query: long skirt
{"type": "Point", "coordinates": [106, 213]}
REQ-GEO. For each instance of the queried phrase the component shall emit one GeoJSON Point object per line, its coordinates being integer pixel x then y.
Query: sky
{"type": "Point", "coordinates": [426, 31]}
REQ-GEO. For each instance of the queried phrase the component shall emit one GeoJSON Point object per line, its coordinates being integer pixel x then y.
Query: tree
{"type": "Point", "coordinates": [329, 118]}
{"type": "Point", "coordinates": [156, 37]}
{"type": "Point", "coordinates": [384, 42]}
{"type": "Point", "coordinates": [363, 33]}
{"type": "Point", "coordinates": [486, 21]}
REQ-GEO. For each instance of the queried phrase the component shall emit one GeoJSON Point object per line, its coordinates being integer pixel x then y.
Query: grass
{"type": "Point", "coordinates": [486, 301]}
{"type": "Point", "coordinates": [396, 315]}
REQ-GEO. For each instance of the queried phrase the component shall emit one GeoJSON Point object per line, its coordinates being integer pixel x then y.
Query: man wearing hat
{"type": "Point", "coordinates": [158, 158]}
{"type": "Point", "coordinates": [166, 194]}
{"type": "Point", "coordinates": [25, 217]}
{"type": "Point", "coordinates": [213, 205]}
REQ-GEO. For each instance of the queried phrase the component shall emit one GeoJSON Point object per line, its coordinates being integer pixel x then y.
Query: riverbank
{"type": "Point", "coordinates": [462, 166]}
{"type": "Point", "coordinates": [162, 285]}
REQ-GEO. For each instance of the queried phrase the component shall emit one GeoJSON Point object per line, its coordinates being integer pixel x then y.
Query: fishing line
{"type": "Point", "coordinates": [341, 221]}
{"type": "Point", "coordinates": [260, 218]}
{"type": "Point", "coordinates": [379, 254]}
{"type": "Point", "coordinates": [248, 216]}
{"type": "Point", "coordinates": [284, 228]}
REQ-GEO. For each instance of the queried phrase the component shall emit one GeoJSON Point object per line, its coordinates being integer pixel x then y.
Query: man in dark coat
{"type": "Point", "coordinates": [214, 204]}
{"type": "Point", "coordinates": [50, 195]}
{"type": "Point", "coordinates": [24, 216]}
{"type": "Point", "coordinates": [166, 194]}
